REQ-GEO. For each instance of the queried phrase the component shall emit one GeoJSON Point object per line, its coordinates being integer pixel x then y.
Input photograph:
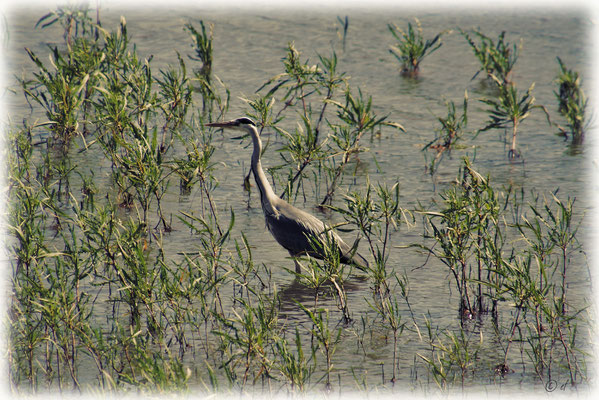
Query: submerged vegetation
{"type": "Point", "coordinates": [103, 299]}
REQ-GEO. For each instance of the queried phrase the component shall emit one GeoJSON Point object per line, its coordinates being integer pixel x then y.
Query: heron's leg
{"type": "Point", "coordinates": [298, 266]}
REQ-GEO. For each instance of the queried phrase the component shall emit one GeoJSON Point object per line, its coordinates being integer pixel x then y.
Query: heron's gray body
{"type": "Point", "coordinates": [291, 227]}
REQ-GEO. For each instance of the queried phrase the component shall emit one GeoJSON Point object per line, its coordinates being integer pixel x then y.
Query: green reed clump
{"type": "Point", "coordinates": [64, 88]}
{"type": "Point", "coordinates": [75, 21]}
{"type": "Point", "coordinates": [300, 83]}
{"type": "Point", "coordinates": [91, 284]}
{"type": "Point", "coordinates": [412, 48]}
{"type": "Point", "coordinates": [27, 226]}
{"type": "Point", "coordinates": [245, 271]}
{"type": "Point", "coordinates": [449, 134]}
{"type": "Point", "coordinates": [48, 283]}
{"type": "Point", "coordinates": [294, 366]}
{"type": "Point", "coordinates": [326, 339]}
{"type": "Point", "coordinates": [307, 152]}
{"type": "Point", "coordinates": [140, 164]}
{"type": "Point", "coordinates": [299, 79]}
{"type": "Point", "coordinates": [64, 307]}
{"type": "Point", "coordinates": [59, 93]}
{"type": "Point", "coordinates": [452, 355]}
{"type": "Point", "coordinates": [141, 369]}
{"type": "Point", "coordinates": [165, 301]}
{"type": "Point", "coordinates": [313, 276]}
{"type": "Point", "coordinates": [550, 235]}
{"type": "Point", "coordinates": [508, 111]}
{"type": "Point", "coordinates": [202, 44]}
{"type": "Point", "coordinates": [174, 99]}
{"type": "Point", "coordinates": [376, 214]}
{"type": "Point", "coordinates": [302, 148]}
{"type": "Point", "coordinates": [467, 234]}
{"type": "Point", "coordinates": [356, 118]}
{"type": "Point", "coordinates": [118, 250]}
{"type": "Point", "coordinates": [133, 136]}
{"type": "Point", "coordinates": [388, 308]}
{"type": "Point", "coordinates": [334, 271]}
{"type": "Point", "coordinates": [471, 239]}
{"type": "Point", "coordinates": [211, 250]}
{"type": "Point", "coordinates": [496, 59]}
{"type": "Point", "coordinates": [48, 307]}
{"type": "Point", "coordinates": [572, 101]}
{"type": "Point", "coordinates": [247, 338]}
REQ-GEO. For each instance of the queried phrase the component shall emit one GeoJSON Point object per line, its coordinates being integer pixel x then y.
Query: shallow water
{"type": "Point", "coordinates": [248, 49]}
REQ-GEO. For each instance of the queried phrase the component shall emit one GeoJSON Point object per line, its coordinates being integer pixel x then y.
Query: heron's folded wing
{"type": "Point", "coordinates": [292, 228]}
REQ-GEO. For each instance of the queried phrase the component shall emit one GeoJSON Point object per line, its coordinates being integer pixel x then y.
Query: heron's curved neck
{"type": "Point", "coordinates": [266, 193]}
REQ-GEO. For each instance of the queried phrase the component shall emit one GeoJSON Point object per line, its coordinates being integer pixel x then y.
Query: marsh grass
{"type": "Point", "coordinates": [412, 48]}
{"type": "Point", "coordinates": [214, 102]}
{"type": "Point", "coordinates": [468, 232]}
{"type": "Point", "coordinates": [508, 111]}
{"type": "Point", "coordinates": [572, 101]}
{"type": "Point", "coordinates": [294, 366]}
{"type": "Point", "coordinates": [101, 302]}
{"type": "Point", "coordinates": [449, 134]}
{"type": "Point", "coordinates": [497, 58]}
{"type": "Point", "coordinates": [306, 154]}
{"type": "Point", "coordinates": [344, 22]}
{"type": "Point", "coordinates": [326, 338]}
{"type": "Point", "coordinates": [452, 355]}
{"type": "Point", "coordinates": [532, 277]}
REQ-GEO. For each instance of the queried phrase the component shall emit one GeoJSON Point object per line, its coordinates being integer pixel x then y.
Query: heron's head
{"type": "Point", "coordinates": [240, 124]}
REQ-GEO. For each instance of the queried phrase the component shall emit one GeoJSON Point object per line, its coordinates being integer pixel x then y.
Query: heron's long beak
{"type": "Point", "coordinates": [225, 124]}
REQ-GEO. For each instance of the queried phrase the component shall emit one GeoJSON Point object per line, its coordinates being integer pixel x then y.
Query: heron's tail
{"type": "Point", "coordinates": [358, 261]}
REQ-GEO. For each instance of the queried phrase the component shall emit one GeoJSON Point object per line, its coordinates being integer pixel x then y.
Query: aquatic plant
{"type": "Point", "coordinates": [466, 235]}
{"type": "Point", "coordinates": [449, 134]}
{"type": "Point", "coordinates": [60, 93]}
{"type": "Point", "coordinates": [202, 43]}
{"type": "Point", "coordinates": [509, 110]}
{"type": "Point", "coordinates": [344, 27]}
{"type": "Point", "coordinates": [532, 278]}
{"type": "Point", "coordinates": [451, 355]}
{"type": "Point", "coordinates": [248, 337]}
{"type": "Point", "coordinates": [306, 149]}
{"type": "Point", "coordinates": [411, 47]}
{"type": "Point", "coordinates": [572, 101]}
{"type": "Point", "coordinates": [105, 297]}
{"type": "Point", "coordinates": [211, 93]}
{"type": "Point", "coordinates": [496, 59]}
{"type": "Point", "coordinates": [357, 118]}
{"type": "Point", "coordinates": [300, 83]}
{"type": "Point", "coordinates": [326, 338]}
{"type": "Point", "coordinates": [536, 284]}
{"type": "Point", "coordinates": [376, 214]}
{"type": "Point", "coordinates": [389, 310]}
{"type": "Point", "coordinates": [294, 366]}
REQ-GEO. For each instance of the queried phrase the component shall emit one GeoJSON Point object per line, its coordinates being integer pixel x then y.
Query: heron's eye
{"type": "Point", "coordinates": [245, 121]}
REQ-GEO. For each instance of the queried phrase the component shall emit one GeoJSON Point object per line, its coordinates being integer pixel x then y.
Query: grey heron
{"type": "Point", "coordinates": [292, 228]}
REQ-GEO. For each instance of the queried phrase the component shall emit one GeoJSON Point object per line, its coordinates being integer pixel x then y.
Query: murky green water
{"type": "Point", "coordinates": [248, 48]}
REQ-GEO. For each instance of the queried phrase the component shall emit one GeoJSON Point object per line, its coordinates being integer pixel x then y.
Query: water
{"type": "Point", "coordinates": [248, 49]}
